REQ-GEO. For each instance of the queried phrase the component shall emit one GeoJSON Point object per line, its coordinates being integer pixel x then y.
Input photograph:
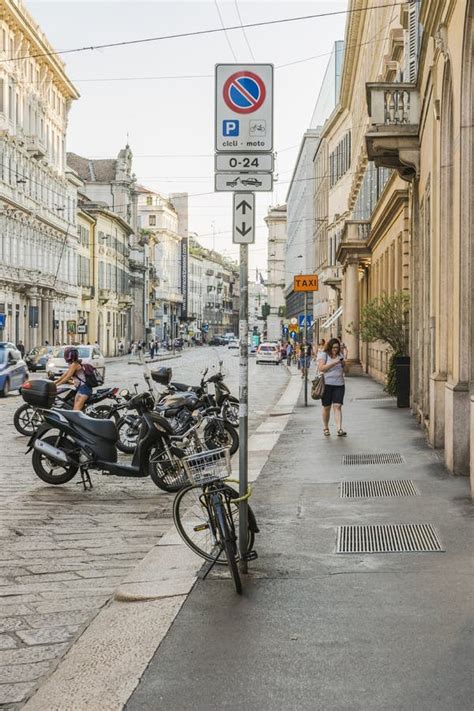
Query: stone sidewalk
{"type": "Point", "coordinates": [318, 630]}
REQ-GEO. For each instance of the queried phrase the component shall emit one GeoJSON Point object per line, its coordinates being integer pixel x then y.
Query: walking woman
{"type": "Point", "coordinates": [332, 364]}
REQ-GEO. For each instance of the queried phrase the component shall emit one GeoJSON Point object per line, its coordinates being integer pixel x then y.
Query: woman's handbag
{"type": "Point", "coordinates": [317, 387]}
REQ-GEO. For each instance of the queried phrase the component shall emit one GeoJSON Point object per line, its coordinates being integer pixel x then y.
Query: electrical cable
{"type": "Point", "coordinates": [197, 33]}
{"type": "Point", "coordinates": [225, 31]}
{"type": "Point", "coordinates": [243, 30]}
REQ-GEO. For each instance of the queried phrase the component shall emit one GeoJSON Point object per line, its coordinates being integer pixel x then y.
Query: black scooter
{"type": "Point", "coordinates": [69, 442]}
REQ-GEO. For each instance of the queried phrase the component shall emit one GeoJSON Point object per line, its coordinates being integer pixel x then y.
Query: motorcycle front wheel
{"type": "Point", "coordinates": [219, 433]}
{"type": "Point", "coordinates": [27, 419]}
{"type": "Point", "coordinates": [128, 428]}
{"type": "Point", "coordinates": [230, 412]}
{"type": "Point", "coordinates": [166, 472]}
{"type": "Point", "coordinates": [50, 471]}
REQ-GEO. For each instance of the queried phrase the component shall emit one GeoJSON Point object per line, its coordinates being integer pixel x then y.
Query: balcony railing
{"type": "Point", "coordinates": [331, 276]}
{"type": "Point", "coordinates": [392, 139]}
{"type": "Point", "coordinates": [356, 231]}
{"type": "Point", "coordinates": [35, 146]}
{"type": "Point", "coordinates": [393, 104]}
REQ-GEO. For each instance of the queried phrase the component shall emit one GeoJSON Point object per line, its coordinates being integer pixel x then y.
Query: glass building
{"type": "Point", "coordinates": [329, 92]}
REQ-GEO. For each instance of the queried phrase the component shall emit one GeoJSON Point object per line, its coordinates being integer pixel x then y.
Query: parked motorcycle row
{"type": "Point", "coordinates": [158, 428]}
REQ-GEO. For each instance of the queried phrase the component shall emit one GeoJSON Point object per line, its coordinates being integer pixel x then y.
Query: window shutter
{"type": "Point", "coordinates": [413, 42]}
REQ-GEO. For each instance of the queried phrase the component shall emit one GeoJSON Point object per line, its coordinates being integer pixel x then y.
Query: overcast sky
{"type": "Point", "coordinates": [170, 121]}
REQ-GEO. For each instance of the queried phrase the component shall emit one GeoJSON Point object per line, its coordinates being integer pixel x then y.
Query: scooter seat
{"type": "Point", "coordinates": [105, 429]}
{"type": "Point", "coordinates": [182, 387]}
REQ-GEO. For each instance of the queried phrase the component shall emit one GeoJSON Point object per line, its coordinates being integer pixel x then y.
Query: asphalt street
{"type": "Point", "coordinates": [63, 551]}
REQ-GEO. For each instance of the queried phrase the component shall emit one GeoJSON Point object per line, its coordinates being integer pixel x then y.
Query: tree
{"type": "Point", "coordinates": [385, 318]}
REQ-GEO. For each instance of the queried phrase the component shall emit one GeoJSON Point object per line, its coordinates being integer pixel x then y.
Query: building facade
{"type": "Point", "coordinates": [110, 183]}
{"type": "Point", "coordinates": [38, 242]}
{"type": "Point", "coordinates": [213, 293]}
{"type": "Point", "coordinates": [158, 221]}
{"type": "Point", "coordinates": [400, 200]}
{"type": "Point", "coordinates": [276, 219]}
{"type": "Point", "coordinates": [299, 255]}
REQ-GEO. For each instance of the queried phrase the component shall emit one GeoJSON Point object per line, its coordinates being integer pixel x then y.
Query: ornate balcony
{"type": "Point", "coordinates": [35, 146]}
{"type": "Point", "coordinates": [354, 241]}
{"type": "Point", "coordinates": [392, 139]}
{"type": "Point", "coordinates": [331, 276]}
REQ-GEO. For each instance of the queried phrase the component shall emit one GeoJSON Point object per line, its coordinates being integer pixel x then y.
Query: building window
{"type": "Point", "coordinates": [340, 159]}
{"type": "Point", "coordinates": [152, 220]}
{"type": "Point", "coordinates": [149, 200]}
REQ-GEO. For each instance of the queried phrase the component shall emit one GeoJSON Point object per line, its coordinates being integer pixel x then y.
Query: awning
{"type": "Point", "coordinates": [332, 318]}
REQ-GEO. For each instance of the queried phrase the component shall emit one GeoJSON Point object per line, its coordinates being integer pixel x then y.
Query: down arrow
{"type": "Point", "coordinates": [244, 204]}
{"type": "Point", "coordinates": [243, 231]}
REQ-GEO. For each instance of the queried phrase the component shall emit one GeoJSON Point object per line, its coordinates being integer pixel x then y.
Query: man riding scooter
{"type": "Point", "coordinates": [76, 373]}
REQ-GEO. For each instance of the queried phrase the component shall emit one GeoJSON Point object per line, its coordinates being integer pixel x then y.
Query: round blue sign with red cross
{"type": "Point", "coordinates": [244, 92]}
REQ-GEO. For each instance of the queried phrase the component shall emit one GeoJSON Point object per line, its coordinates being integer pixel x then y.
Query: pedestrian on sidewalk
{"type": "Point", "coordinates": [152, 349]}
{"type": "Point", "coordinates": [121, 348]}
{"type": "Point", "coordinates": [321, 347]}
{"type": "Point", "coordinates": [289, 354]}
{"type": "Point", "coordinates": [306, 354]}
{"type": "Point", "coordinates": [332, 365]}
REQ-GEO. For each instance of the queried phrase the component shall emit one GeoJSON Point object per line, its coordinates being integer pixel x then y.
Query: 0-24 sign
{"type": "Point", "coordinates": [244, 161]}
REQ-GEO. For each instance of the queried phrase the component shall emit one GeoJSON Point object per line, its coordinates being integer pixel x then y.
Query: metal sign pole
{"type": "Point", "coordinates": [305, 348]}
{"type": "Point", "coordinates": [243, 407]}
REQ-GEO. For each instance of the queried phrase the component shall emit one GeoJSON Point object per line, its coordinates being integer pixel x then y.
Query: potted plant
{"type": "Point", "coordinates": [385, 318]}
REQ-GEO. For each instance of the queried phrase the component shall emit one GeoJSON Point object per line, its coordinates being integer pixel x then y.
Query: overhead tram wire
{"type": "Point", "coordinates": [225, 31]}
{"type": "Point", "coordinates": [243, 30]}
{"type": "Point", "coordinates": [198, 33]}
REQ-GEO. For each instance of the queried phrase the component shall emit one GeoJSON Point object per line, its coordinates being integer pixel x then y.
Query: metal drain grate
{"type": "Point", "coordinates": [368, 489]}
{"type": "Point", "coordinates": [401, 538]}
{"type": "Point", "coordinates": [390, 458]}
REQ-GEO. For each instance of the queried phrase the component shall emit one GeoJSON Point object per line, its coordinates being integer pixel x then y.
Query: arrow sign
{"type": "Point", "coordinates": [244, 205]}
{"type": "Point", "coordinates": [244, 218]}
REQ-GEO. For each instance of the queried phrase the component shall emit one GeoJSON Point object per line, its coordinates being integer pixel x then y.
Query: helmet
{"type": "Point", "coordinates": [71, 355]}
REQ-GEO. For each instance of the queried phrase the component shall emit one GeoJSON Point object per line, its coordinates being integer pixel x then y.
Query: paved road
{"type": "Point", "coordinates": [64, 551]}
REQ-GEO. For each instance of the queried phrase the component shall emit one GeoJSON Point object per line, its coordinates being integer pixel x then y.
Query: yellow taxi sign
{"type": "Point", "coordinates": [306, 282]}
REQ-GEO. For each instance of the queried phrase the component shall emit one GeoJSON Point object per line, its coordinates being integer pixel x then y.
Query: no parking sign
{"type": "Point", "coordinates": [244, 107]}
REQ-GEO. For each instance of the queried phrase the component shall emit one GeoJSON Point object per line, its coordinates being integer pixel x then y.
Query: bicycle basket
{"type": "Point", "coordinates": [208, 466]}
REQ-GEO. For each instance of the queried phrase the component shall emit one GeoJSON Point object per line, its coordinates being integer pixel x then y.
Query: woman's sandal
{"type": "Point", "coordinates": [326, 432]}
{"type": "Point", "coordinates": [341, 433]}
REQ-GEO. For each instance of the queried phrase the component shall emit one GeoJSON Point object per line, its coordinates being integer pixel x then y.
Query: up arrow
{"type": "Point", "coordinates": [242, 230]}
{"type": "Point", "coordinates": [244, 205]}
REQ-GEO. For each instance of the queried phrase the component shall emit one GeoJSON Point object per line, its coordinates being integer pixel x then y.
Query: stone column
{"type": "Point", "coordinates": [34, 334]}
{"type": "Point", "coordinates": [351, 308]}
{"type": "Point", "coordinates": [45, 335]}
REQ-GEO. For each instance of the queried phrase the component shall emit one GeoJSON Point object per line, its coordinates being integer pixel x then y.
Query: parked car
{"type": "Point", "coordinates": [233, 343]}
{"type": "Point", "coordinates": [217, 341]}
{"type": "Point", "coordinates": [56, 364]}
{"type": "Point", "coordinates": [13, 370]}
{"type": "Point", "coordinates": [38, 357]}
{"type": "Point", "coordinates": [268, 353]}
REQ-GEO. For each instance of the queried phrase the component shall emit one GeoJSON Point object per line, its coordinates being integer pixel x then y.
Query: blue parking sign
{"type": "Point", "coordinates": [2, 321]}
{"type": "Point", "coordinates": [230, 127]}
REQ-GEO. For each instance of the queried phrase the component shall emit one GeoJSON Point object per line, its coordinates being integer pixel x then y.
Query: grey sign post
{"type": "Point", "coordinates": [244, 164]}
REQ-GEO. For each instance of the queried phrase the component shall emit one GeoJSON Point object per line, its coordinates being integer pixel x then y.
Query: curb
{"type": "Point", "coordinates": [104, 666]}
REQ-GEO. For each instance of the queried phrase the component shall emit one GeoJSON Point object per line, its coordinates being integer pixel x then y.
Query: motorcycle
{"type": "Point", "coordinates": [27, 418]}
{"type": "Point", "coordinates": [217, 432]}
{"type": "Point", "coordinates": [70, 441]}
{"type": "Point", "coordinates": [227, 404]}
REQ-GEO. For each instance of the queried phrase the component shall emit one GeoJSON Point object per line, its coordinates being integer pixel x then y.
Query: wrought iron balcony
{"type": "Point", "coordinates": [392, 139]}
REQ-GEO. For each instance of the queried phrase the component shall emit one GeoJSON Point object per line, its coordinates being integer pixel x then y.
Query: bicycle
{"type": "Point", "coordinates": [205, 512]}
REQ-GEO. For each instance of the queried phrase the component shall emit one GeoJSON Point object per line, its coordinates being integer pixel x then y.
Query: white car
{"type": "Point", "coordinates": [56, 364]}
{"type": "Point", "coordinates": [233, 343]}
{"type": "Point", "coordinates": [268, 353]}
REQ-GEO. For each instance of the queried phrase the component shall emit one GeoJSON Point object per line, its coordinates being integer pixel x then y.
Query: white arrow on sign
{"type": "Point", "coordinates": [243, 231]}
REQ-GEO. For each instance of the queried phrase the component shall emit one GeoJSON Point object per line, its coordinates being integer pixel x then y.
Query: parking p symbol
{"type": "Point", "coordinates": [230, 128]}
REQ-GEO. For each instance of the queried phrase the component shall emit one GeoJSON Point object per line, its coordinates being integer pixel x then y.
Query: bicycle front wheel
{"type": "Point", "coordinates": [228, 540]}
{"type": "Point", "coordinates": [196, 525]}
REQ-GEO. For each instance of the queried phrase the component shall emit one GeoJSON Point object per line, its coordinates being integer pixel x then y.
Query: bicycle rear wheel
{"type": "Point", "coordinates": [228, 540]}
{"type": "Point", "coordinates": [195, 524]}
